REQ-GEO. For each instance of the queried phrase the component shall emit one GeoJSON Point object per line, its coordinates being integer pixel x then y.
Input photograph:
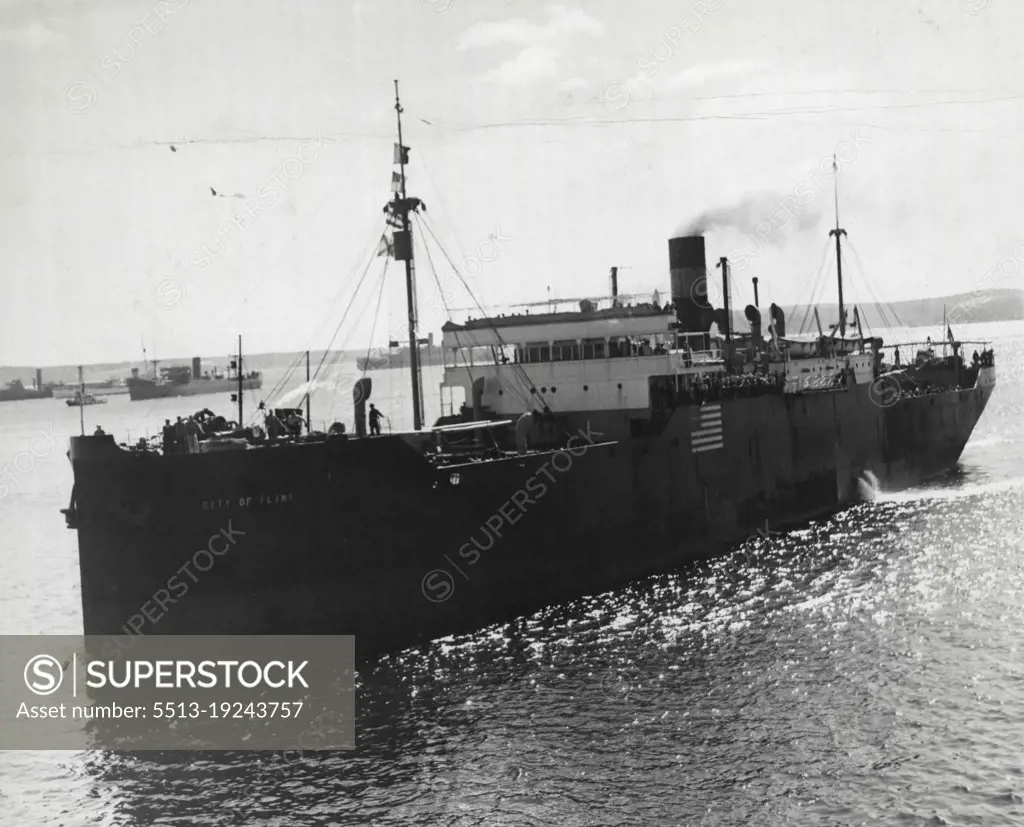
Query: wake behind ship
{"type": "Point", "coordinates": [580, 450]}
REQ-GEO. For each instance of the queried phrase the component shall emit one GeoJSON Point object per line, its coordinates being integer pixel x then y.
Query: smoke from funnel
{"type": "Point", "coordinates": [765, 214]}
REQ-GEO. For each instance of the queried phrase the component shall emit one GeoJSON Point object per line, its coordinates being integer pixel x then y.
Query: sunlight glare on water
{"type": "Point", "coordinates": [864, 669]}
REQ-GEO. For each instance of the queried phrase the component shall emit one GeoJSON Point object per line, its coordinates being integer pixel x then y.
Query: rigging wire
{"type": "Point", "coordinates": [279, 385]}
{"type": "Point", "coordinates": [522, 396]}
{"type": "Point", "coordinates": [811, 281]}
{"type": "Point", "coordinates": [879, 306]}
{"type": "Point", "coordinates": [869, 282]}
{"type": "Point", "coordinates": [756, 115]}
{"type": "Point", "coordinates": [563, 122]}
{"type": "Point", "coordinates": [376, 314]}
{"type": "Point", "coordinates": [799, 92]}
{"type": "Point", "coordinates": [865, 323]}
{"type": "Point", "coordinates": [338, 355]}
{"type": "Point", "coordinates": [517, 367]}
{"type": "Point", "coordinates": [292, 367]}
{"type": "Point", "coordinates": [437, 197]}
{"type": "Point", "coordinates": [444, 301]}
{"type": "Point", "coordinates": [817, 287]}
{"type": "Point", "coordinates": [337, 329]}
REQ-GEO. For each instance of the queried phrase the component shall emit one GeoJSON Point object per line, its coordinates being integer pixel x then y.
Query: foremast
{"type": "Point", "coordinates": [399, 209]}
{"type": "Point", "coordinates": [838, 232]}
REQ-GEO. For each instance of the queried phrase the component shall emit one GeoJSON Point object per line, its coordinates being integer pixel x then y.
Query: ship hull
{"type": "Point", "coordinates": [366, 538]}
{"type": "Point", "coordinates": [140, 389]}
{"type": "Point", "coordinates": [28, 393]}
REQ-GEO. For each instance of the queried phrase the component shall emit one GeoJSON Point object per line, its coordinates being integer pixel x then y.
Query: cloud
{"type": "Point", "coordinates": [565, 22]}
{"type": "Point", "coordinates": [516, 32]}
{"type": "Point", "coordinates": [650, 85]}
{"type": "Point", "coordinates": [34, 36]}
{"type": "Point", "coordinates": [572, 84]}
{"type": "Point", "coordinates": [530, 65]}
{"type": "Point", "coordinates": [521, 32]}
{"type": "Point", "coordinates": [701, 74]}
{"type": "Point", "coordinates": [538, 57]}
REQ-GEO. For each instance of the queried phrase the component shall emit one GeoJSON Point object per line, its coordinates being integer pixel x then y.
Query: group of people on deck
{"type": "Point", "coordinates": [182, 436]}
{"type": "Point", "coordinates": [641, 347]}
{"type": "Point", "coordinates": [290, 426]}
{"type": "Point", "coordinates": [984, 360]}
{"type": "Point", "coordinates": [714, 386]}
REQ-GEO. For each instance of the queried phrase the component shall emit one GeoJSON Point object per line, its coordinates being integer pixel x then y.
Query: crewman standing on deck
{"type": "Point", "coordinates": [275, 427]}
{"type": "Point", "coordinates": [168, 437]}
{"type": "Point", "coordinates": [192, 435]}
{"type": "Point", "coordinates": [374, 417]}
{"type": "Point", "coordinates": [179, 436]}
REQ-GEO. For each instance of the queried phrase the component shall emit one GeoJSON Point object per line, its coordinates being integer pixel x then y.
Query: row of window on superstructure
{"type": "Point", "coordinates": [570, 350]}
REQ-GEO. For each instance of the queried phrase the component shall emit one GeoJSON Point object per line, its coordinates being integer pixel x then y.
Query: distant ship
{"type": "Point", "coordinates": [16, 391]}
{"type": "Point", "coordinates": [181, 380]}
{"type": "Point", "coordinates": [398, 357]}
{"type": "Point", "coordinates": [106, 387]}
{"type": "Point", "coordinates": [80, 401]}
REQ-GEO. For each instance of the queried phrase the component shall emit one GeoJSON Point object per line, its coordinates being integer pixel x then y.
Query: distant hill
{"type": "Point", "coordinates": [962, 308]}
{"type": "Point", "coordinates": [988, 306]}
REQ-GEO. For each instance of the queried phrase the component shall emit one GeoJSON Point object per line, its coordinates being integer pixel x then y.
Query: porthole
{"type": "Point", "coordinates": [533, 390]}
{"type": "Point", "coordinates": [501, 393]}
{"type": "Point", "coordinates": [586, 387]}
{"type": "Point", "coordinates": [620, 386]}
{"type": "Point", "coordinates": [553, 389]}
{"type": "Point", "coordinates": [543, 390]}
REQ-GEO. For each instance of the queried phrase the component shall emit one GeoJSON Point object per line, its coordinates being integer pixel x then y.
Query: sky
{"type": "Point", "coordinates": [549, 142]}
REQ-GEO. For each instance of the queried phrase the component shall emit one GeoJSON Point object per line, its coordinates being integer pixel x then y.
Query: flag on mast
{"type": "Point", "coordinates": [386, 246]}
{"type": "Point", "coordinates": [401, 154]}
{"type": "Point", "coordinates": [396, 182]}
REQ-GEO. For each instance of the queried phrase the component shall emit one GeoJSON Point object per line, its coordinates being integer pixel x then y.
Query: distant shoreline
{"type": "Point", "coordinates": [964, 308]}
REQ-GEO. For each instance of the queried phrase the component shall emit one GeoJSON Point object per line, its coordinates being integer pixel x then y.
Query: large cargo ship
{"type": "Point", "coordinates": [579, 451]}
{"type": "Point", "coordinates": [15, 391]}
{"type": "Point", "coordinates": [183, 380]}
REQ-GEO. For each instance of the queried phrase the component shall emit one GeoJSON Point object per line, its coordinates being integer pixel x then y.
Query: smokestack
{"type": "Point", "coordinates": [615, 282]}
{"type": "Point", "coordinates": [39, 378]}
{"type": "Point", "coordinates": [688, 267]}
